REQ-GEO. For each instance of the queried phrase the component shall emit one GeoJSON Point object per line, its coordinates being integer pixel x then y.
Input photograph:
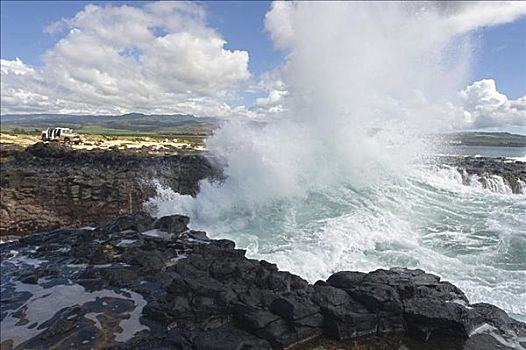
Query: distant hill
{"type": "Point", "coordinates": [131, 123]}
{"type": "Point", "coordinates": [503, 139]}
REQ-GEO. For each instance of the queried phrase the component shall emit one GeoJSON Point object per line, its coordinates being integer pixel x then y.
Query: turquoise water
{"type": "Point", "coordinates": [468, 235]}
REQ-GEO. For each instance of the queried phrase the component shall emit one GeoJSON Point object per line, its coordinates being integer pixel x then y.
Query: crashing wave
{"type": "Point", "coordinates": [489, 182]}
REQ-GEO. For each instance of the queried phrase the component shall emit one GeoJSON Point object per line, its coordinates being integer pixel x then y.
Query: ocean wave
{"type": "Point", "coordinates": [465, 228]}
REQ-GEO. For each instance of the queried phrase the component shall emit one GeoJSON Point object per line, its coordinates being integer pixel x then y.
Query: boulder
{"type": "Point", "coordinates": [174, 224]}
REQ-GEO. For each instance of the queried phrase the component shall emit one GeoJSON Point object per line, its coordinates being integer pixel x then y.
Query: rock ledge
{"type": "Point", "coordinates": [141, 283]}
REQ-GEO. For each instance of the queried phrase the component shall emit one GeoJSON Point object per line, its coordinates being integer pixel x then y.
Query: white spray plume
{"type": "Point", "coordinates": [324, 187]}
{"type": "Point", "coordinates": [365, 81]}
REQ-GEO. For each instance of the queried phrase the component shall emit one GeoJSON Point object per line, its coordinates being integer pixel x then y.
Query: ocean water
{"type": "Point", "coordinates": [341, 178]}
{"type": "Point", "coordinates": [471, 236]}
{"type": "Point", "coordinates": [487, 151]}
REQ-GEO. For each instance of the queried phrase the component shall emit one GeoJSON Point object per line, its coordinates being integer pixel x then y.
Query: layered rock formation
{"type": "Point", "coordinates": [140, 283]}
{"type": "Point", "coordinates": [49, 185]}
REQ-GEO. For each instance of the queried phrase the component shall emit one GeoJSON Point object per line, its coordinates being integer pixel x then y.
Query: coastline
{"type": "Point", "coordinates": [138, 282]}
{"type": "Point", "coordinates": [134, 260]}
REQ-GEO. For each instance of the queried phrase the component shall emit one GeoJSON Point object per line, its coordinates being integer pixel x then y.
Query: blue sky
{"type": "Point", "coordinates": [170, 57]}
{"type": "Point", "coordinates": [501, 53]}
{"type": "Point", "coordinates": [240, 23]}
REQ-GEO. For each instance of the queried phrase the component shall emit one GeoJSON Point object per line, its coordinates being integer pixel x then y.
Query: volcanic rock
{"type": "Point", "coordinates": [48, 186]}
{"type": "Point", "coordinates": [113, 287]}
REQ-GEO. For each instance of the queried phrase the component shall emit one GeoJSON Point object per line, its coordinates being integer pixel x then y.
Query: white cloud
{"type": "Point", "coordinates": [278, 23]}
{"type": "Point", "coordinates": [274, 97]}
{"type": "Point", "coordinates": [159, 58]}
{"type": "Point", "coordinates": [16, 67]}
{"type": "Point", "coordinates": [484, 106]}
{"type": "Point", "coordinates": [273, 85]}
{"type": "Point", "coordinates": [468, 15]}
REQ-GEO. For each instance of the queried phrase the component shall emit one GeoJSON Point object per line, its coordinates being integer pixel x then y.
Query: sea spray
{"type": "Point", "coordinates": [363, 82]}
{"type": "Point", "coordinates": [336, 183]}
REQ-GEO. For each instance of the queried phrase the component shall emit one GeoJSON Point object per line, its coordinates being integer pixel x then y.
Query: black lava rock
{"type": "Point", "coordinates": [118, 289]}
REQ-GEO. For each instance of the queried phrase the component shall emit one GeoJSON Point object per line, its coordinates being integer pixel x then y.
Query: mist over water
{"type": "Point", "coordinates": [365, 81]}
{"type": "Point", "coordinates": [341, 180]}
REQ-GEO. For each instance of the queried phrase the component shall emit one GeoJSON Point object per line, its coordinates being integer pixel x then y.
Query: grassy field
{"type": "Point", "coordinates": [132, 124]}
{"type": "Point", "coordinates": [96, 133]}
{"type": "Point", "coordinates": [129, 131]}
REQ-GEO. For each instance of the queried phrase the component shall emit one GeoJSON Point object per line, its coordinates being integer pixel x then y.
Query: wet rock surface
{"type": "Point", "coordinates": [140, 283]}
{"type": "Point", "coordinates": [496, 174]}
{"type": "Point", "coordinates": [47, 186]}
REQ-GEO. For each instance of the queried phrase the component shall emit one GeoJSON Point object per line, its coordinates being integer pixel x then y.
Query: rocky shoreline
{"type": "Point", "coordinates": [47, 186]}
{"type": "Point", "coordinates": [142, 283]}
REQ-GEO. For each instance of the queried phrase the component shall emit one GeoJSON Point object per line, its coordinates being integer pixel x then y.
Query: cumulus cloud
{"type": "Point", "coordinates": [274, 87]}
{"type": "Point", "coordinates": [159, 58]}
{"type": "Point", "coordinates": [278, 22]}
{"type": "Point", "coordinates": [15, 67]}
{"type": "Point", "coordinates": [483, 106]}
{"type": "Point", "coordinates": [273, 99]}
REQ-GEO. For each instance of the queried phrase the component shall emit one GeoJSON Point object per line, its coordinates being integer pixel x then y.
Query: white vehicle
{"type": "Point", "coordinates": [65, 135]}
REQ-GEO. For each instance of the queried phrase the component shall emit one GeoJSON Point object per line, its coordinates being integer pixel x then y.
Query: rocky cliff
{"type": "Point", "coordinates": [49, 185]}
{"type": "Point", "coordinates": [140, 283]}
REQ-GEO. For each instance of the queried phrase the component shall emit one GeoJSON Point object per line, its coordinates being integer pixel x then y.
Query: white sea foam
{"type": "Point", "coordinates": [517, 159]}
{"type": "Point", "coordinates": [431, 220]}
{"type": "Point", "coordinates": [334, 182]}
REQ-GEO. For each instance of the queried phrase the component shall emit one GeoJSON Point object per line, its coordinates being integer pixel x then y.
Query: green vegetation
{"type": "Point", "coordinates": [183, 127]}
{"type": "Point", "coordinates": [21, 131]}
{"type": "Point", "coordinates": [502, 139]}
